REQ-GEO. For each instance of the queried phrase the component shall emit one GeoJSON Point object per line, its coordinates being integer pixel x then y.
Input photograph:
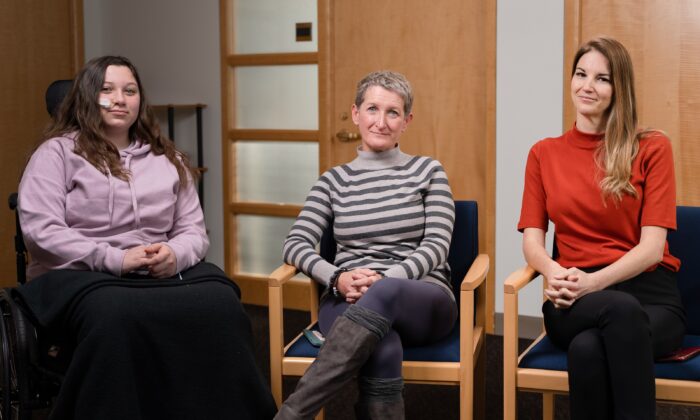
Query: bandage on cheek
{"type": "Point", "coordinates": [105, 103]}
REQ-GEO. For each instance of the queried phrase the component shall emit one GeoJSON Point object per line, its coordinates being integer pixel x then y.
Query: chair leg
{"type": "Point", "coordinates": [473, 404]}
{"type": "Point", "coordinates": [547, 406]}
{"type": "Point", "coordinates": [510, 355]}
{"type": "Point", "coordinates": [276, 325]}
{"type": "Point", "coordinates": [466, 397]}
{"type": "Point", "coordinates": [480, 386]}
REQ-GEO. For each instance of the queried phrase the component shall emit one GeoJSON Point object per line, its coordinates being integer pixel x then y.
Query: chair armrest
{"type": "Point", "coordinates": [281, 275]}
{"type": "Point", "coordinates": [519, 279]}
{"type": "Point", "coordinates": [515, 281]}
{"type": "Point", "coordinates": [471, 333]}
{"type": "Point", "coordinates": [477, 273]}
{"type": "Point", "coordinates": [276, 324]}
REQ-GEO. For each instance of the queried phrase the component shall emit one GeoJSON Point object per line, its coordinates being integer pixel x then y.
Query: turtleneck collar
{"type": "Point", "coordinates": [584, 140]}
{"type": "Point", "coordinates": [379, 160]}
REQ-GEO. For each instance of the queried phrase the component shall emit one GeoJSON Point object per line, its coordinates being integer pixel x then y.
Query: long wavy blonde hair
{"type": "Point", "coordinates": [621, 141]}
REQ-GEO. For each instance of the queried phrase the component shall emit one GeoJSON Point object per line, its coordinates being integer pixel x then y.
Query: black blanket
{"type": "Point", "coordinates": [177, 348]}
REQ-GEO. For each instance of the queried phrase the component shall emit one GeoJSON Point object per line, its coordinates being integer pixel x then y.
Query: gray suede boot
{"type": "Point", "coordinates": [351, 340]}
{"type": "Point", "coordinates": [380, 398]}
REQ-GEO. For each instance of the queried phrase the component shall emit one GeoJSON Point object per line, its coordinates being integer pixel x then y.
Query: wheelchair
{"type": "Point", "coordinates": [31, 363]}
{"type": "Point", "coordinates": [31, 366]}
{"type": "Point", "coordinates": [26, 384]}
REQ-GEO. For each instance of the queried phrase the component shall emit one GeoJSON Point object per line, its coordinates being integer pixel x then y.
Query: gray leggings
{"type": "Point", "coordinates": [419, 312]}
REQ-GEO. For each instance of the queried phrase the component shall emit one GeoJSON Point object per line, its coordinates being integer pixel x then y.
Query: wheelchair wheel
{"type": "Point", "coordinates": [17, 339]}
{"type": "Point", "coordinates": [9, 402]}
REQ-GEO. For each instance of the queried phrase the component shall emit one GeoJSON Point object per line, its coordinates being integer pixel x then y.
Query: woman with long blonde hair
{"type": "Point", "coordinates": [608, 186]}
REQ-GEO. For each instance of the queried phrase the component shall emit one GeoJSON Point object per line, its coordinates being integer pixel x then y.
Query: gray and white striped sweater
{"type": "Point", "coordinates": [391, 212]}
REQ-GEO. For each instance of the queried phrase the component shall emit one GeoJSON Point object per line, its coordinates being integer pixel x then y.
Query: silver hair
{"type": "Point", "coordinates": [389, 80]}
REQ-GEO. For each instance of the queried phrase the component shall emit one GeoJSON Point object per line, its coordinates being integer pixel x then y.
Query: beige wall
{"type": "Point", "coordinates": [530, 54]}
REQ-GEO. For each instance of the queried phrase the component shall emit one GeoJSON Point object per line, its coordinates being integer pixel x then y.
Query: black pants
{"type": "Point", "coordinates": [612, 338]}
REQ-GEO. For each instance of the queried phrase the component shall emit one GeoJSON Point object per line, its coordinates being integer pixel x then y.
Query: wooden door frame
{"type": "Point", "coordinates": [324, 9]}
{"type": "Point", "coordinates": [572, 40]}
{"type": "Point", "coordinates": [77, 23]}
{"type": "Point", "coordinates": [489, 244]}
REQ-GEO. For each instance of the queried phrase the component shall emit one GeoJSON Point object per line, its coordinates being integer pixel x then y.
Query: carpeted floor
{"type": "Point", "coordinates": [431, 401]}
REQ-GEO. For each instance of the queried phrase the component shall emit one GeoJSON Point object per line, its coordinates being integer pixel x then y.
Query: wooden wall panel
{"type": "Point", "coordinates": [687, 150]}
{"type": "Point", "coordinates": [663, 39]}
{"type": "Point", "coordinates": [40, 41]}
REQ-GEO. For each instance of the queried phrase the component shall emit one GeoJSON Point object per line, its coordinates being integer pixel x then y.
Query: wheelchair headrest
{"type": "Point", "coordinates": [55, 94]}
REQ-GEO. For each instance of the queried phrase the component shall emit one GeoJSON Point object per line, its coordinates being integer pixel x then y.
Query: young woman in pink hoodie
{"type": "Point", "coordinates": [112, 221]}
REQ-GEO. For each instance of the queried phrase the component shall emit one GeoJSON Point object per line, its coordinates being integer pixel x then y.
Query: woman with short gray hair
{"type": "Point", "coordinates": [392, 216]}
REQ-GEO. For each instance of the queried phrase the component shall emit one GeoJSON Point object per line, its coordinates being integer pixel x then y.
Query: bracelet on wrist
{"type": "Point", "coordinates": [333, 283]}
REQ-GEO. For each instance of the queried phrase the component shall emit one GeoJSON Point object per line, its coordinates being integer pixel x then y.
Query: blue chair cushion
{"type": "Point", "coordinates": [445, 350]}
{"type": "Point", "coordinates": [688, 370]}
{"type": "Point", "coordinates": [682, 244]}
{"type": "Point", "coordinates": [545, 355]}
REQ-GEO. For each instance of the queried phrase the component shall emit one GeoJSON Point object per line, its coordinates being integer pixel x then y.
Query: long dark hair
{"type": "Point", "coordinates": [80, 113]}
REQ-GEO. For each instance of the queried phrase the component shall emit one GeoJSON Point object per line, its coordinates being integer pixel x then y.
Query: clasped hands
{"type": "Point", "coordinates": [354, 283]}
{"type": "Point", "coordinates": [565, 286]}
{"type": "Point", "coordinates": [159, 259]}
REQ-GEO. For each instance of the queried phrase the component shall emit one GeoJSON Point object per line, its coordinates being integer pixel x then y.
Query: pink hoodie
{"type": "Point", "coordinates": [73, 216]}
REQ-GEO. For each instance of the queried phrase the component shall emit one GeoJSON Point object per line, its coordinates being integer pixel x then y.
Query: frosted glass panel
{"type": "Point", "coordinates": [277, 97]}
{"type": "Point", "coordinates": [269, 26]}
{"type": "Point", "coordinates": [276, 172]}
{"type": "Point", "coordinates": [260, 241]}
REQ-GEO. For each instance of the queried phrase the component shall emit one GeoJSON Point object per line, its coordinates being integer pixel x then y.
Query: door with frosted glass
{"type": "Point", "coordinates": [270, 145]}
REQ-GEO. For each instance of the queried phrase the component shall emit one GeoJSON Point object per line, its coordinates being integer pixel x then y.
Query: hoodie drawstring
{"type": "Point", "coordinates": [110, 179]}
{"type": "Point", "coordinates": [134, 204]}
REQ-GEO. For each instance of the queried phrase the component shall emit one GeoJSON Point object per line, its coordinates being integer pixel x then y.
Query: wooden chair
{"type": "Point", "coordinates": [542, 367]}
{"type": "Point", "coordinates": [451, 361]}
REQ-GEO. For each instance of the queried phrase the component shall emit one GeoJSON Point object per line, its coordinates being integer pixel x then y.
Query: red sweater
{"type": "Point", "coordinates": [562, 184]}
